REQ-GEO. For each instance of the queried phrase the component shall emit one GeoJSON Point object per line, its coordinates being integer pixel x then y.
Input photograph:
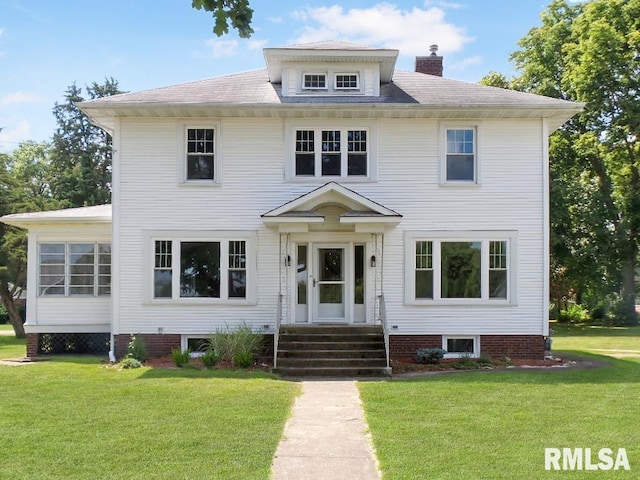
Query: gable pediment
{"type": "Point", "coordinates": [355, 209]}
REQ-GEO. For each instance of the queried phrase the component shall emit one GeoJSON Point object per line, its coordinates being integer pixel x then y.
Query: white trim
{"type": "Point", "coordinates": [68, 328]}
{"type": "Point", "coordinates": [476, 345]}
{"type": "Point", "coordinates": [476, 126]}
{"type": "Point", "coordinates": [437, 237]}
{"type": "Point", "coordinates": [115, 233]}
{"type": "Point", "coordinates": [223, 236]}
{"type": "Point", "coordinates": [545, 227]}
{"type": "Point", "coordinates": [182, 128]}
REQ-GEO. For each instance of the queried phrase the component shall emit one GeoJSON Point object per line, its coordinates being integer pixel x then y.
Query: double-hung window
{"type": "Point", "coordinates": [201, 159]}
{"type": "Point", "coordinates": [332, 152]}
{"type": "Point", "coordinates": [460, 268]}
{"type": "Point", "coordinates": [460, 162]}
{"type": "Point", "coordinates": [201, 267]}
{"type": "Point", "coordinates": [74, 269]}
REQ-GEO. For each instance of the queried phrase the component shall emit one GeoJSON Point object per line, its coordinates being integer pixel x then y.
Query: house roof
{"type": "Point", "coordinates": [258, 93]}
{"type": "Point", "coordinates": [95, 214]}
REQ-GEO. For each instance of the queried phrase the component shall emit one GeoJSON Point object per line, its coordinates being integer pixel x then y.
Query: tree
{"type": "Point", "coordinates": [238, 12]}
{"type": "Point", "coordinates": [24, 187]}
{"type": "Point", "coordinates": [591, 53]}
{"type": "Point", "coordinates": [81, 152]}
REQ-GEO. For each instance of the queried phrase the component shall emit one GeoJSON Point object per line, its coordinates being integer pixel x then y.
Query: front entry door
{"type": "Point", "coordinates": [330, 291]}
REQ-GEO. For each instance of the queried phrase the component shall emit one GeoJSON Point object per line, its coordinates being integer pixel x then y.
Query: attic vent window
{"type": "Point", "coordinates": [315, 81]}
{"type": "Point", "coordinates": [347, 81]}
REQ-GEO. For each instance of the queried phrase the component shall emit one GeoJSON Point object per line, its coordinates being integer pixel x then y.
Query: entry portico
{"type": "Point", "coordinates": [331, 248]}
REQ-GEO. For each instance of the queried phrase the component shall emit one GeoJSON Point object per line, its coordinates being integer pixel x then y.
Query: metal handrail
{"type": "Point", "coordinates": [382, 313]}
{"type": "Point", "coordinates": [276, 335]}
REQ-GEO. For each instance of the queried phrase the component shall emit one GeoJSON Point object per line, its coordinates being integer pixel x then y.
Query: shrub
{"type": "Point", "coordinates": [574, 313]}
{"type": "Point", "coordinates": [181, 358]}
{"type": "Point", "coordinates": [130, 362]}
{"type": "Point", "coordinates": [622, 312]}
{"type": "Point", "coordinates": [429, 355]}
{"type": "Point", "coordinates": [228, 343]}
{"type": "Point", "coordinates": [137, 349]}
{"type": "Point", "coordinates": [484, 360]}
{"type": "Point", "coordinates": [243, 359]}
{"type": "Point", "coordinates": [4, 315]}
{"type": "Point", "coordinates": [210, 358]}
{"type": "Point", "coordinates": [465, 362]}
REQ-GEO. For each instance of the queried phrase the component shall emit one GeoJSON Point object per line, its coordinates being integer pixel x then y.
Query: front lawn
{"type": "Point", "coordinates": [71, 417]}
{"type": "Point", "coordinates": [497, 424]}
{"type": "Point", "coordinates": [12, 347]}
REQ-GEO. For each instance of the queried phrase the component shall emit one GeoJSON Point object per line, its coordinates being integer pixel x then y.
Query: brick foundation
{"type": "Point", "coordinates": [406, 346]}
{"type": "Point", "coordinates": [32, 344]}
{"type": "Point", "coordinates": [513, 346]}
{"type": "Point", "coordinates": [160, 345]}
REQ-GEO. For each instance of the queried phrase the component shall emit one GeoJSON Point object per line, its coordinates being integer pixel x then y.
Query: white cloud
{"type": "Point", "coordinates": [384, 24]}
{"type": "Point", "coordinates": [442, 4]}
{"type": "Point", "coordinates": [467, 62]}
{"type": "Point", "coordinates": [17, 98]}
{"type": "Point", "coordinates": [222, 48]}
{"type": "Point", "coordinates": [10, 137]}
{"type": "Point", "coordinates": [275, 19]}
{"type": "Point", "coordinates": [256, 44]}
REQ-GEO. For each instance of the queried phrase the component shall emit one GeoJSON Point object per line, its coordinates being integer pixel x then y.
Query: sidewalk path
{"type": "Point", "coordinates": [326, 437]}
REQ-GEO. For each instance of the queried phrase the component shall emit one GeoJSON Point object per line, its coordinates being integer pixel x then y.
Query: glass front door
{"type": "Point", "coordinates": [329, 284]}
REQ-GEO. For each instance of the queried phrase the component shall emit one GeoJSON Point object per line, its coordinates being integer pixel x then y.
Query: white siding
{"type": "Point", "coordinates": [509, 198]}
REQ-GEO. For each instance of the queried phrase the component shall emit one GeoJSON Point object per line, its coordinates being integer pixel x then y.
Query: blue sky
{"type": "Point", "coordinates": [45, 45]}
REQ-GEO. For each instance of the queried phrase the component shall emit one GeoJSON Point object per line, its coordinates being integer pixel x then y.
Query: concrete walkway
{"type": "Point", "coordinates": [326, 437]}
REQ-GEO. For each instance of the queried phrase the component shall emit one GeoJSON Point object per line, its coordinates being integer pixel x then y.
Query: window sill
{"type": "Point", "coordinates": [460, 184]}
{"type": "Point", "coordinates": [199, 184]}
{"type": "Point", "coordinates": [461, 303]}
{"type": "Point", "coordinates": [200, 302]}
{"type": "Point", "coordinates": [331, 178]}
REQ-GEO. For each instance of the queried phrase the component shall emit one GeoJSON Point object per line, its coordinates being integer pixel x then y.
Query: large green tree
{"type": "Point", "coordinates": [238, 12]}
{"type": "Point", "coordinates": [81, 152]}
{"type": "Point", "coordinates": [590, 52]}
{"type": "Point", "coordinates": [24, 187]}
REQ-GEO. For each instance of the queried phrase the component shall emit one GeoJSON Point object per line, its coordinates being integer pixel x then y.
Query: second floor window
{"type": "Point", "coordinates": [331, 153]}
{"type": "Point", "coordinates": [200, 154]}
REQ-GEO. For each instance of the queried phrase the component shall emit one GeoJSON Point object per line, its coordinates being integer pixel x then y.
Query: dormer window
{"type": "Point", "coordinates": [315, 81]}
{"type": "Point", "coordinates": [347, 81]}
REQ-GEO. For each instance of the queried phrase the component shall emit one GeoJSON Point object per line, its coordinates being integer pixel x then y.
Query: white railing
{"type": "Point", "coordinates": [382, 316]}
{"type": "Point", "coordinates": [276, 335]}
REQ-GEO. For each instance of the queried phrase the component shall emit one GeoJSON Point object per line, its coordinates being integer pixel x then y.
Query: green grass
{"type": "Point", "coordinates": [617, 341]}
{"type": "Point", "coordinates": [11, 347]}
{"type": "Point", "coordinates": [6, 326]}
{"type": "Point", "coordinates": [71, 417]}
{"type": "Point", "coordinates": [496, 425]}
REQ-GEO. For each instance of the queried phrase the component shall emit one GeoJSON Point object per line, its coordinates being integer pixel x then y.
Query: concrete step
{"type": "Point", "coordinates": [333, 371]}
{"type": "Point", "coordinates": [331, 362]}
{"type": "Point", "coordinates": [331, 337]}
{"type": "Point", "coordinates": [339, 329]}
{"type": "Point", "coordinates": [336, 345]}
{"type": "Point", "coordinates": [336, 353]}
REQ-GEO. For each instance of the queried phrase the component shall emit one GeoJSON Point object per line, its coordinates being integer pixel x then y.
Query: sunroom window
{"type": "Point", "coordinates": [74, 269]}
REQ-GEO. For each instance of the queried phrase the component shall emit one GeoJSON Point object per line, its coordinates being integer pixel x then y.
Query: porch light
{"type": "Point", "coordinates": [287, 260]}
{"type": "Point", "coordinates": [373, 261]}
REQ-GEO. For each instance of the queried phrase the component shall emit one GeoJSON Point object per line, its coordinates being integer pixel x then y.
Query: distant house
{"type": "Point", "coordinates": [328, 188]}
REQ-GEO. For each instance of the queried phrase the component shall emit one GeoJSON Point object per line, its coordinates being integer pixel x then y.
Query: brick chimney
{"type": "Point", "coordinates": [431, 65]}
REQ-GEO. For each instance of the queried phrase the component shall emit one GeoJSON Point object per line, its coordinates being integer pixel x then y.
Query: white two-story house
{"type": "Point", "coordinates": [326, 188]}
